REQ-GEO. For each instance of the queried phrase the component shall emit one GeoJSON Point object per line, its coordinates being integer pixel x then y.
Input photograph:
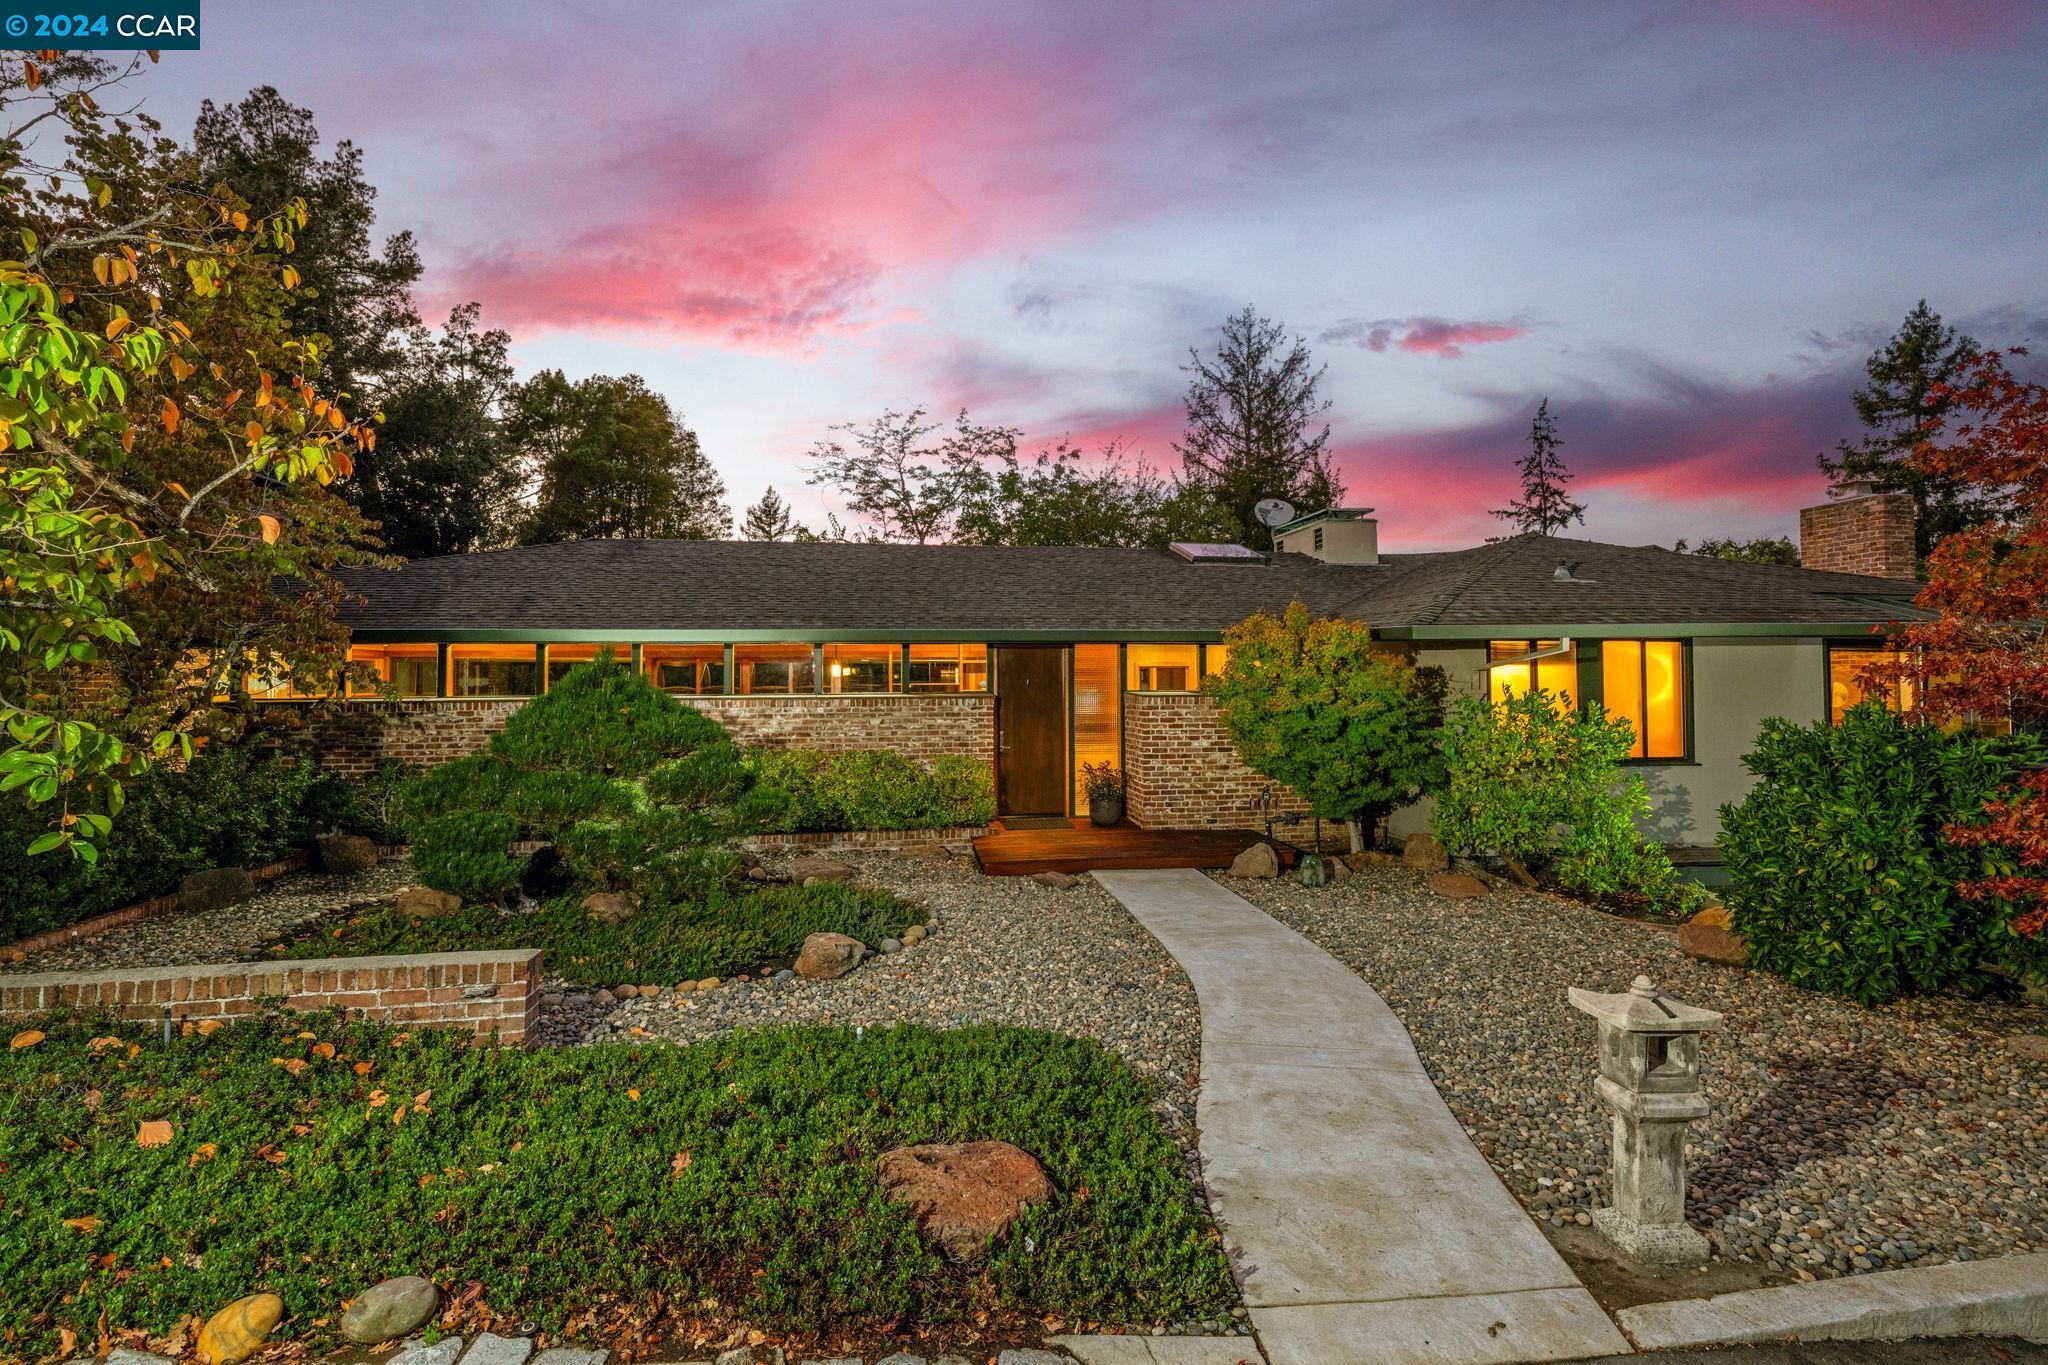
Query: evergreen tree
{"type": "Point", "coordinates": [608, 458]}
{"type": "Point", "coordinates": [1762, 550]}
{"type": "Point", "coordinates": [769, 519]}
{"type": "Point", "coordinates": [1905, 398]}
{"type": "Point", "coordinates": [1255, 425]}
{"type": "Point", "coordinates": [1543, 509]}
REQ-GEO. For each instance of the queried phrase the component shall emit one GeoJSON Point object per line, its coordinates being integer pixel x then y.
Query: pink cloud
{"type": "Point", "coordinates": [1424, 335]}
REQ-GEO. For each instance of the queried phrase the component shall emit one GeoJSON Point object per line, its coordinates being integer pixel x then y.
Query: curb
{"type": "Point", "coordinates": [1149, 1350]}
{"type": "Point", "coordinates": [2007, 1297]}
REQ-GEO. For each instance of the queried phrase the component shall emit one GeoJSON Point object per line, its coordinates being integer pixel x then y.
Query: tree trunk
{"type": "Point", "coordinates": [1520, 872]}
{"type": "Point", "coordinates": [1357, 836]}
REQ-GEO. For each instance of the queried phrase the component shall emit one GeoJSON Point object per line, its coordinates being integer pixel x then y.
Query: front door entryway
{"type": "Point", "coordinates": [1031, 730]}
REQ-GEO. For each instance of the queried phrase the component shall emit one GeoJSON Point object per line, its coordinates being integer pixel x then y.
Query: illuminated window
{"type": "Point", "coordinates": [493, 670]}
{"type": "Point", "coordinates": [1214, 659]}
{"type": "Point", "coordinates": [949, 668]}
{"type": "Point", "coordinates": [1098, 709]}
{"type": "Point", "coordinates": [1555, 673]}
{"type": "Point", "coordinates": [862, 668]}
{"type": "Point", "coordinates": [1161, 668]}
{"type": "Point", "coordinates": [774, 669]}
{"type": "Point", "coordinates": [688, 670]}
{"type": "Point", "coordinates": [406, 670]}
{"type": "Point", "coordinates": [1847, 685]}
{"type": "Point", "coordinates": [562, 658]}
{"type": "Point", "coordinates": [1643, 682]}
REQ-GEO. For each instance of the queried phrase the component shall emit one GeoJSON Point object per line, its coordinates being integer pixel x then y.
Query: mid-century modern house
{"type": "Point", "coordinates": [1041, 660]}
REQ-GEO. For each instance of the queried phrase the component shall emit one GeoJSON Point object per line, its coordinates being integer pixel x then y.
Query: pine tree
{"type": "Point", "coordinates": [769, 519]}
{"type": "Point", "coordinates": [1543, 507]}
{"type": "Point", "coordinates": [1252, 416]}
{"type": "Point", "coordinates": [1907, 393]}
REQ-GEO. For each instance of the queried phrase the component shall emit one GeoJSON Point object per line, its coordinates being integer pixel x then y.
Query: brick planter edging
{"type": "Point", "coordinates": [889, 840]}
{"type": "Point", "coordinates": [141, 910]}
{"type": "Point", "coordinates": [486, 992]}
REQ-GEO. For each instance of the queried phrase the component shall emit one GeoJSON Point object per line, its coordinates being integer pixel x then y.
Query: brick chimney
{"type": "Point", "coordinates": [1859, 530]}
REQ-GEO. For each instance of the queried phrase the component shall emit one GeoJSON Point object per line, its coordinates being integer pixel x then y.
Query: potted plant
{"type": "Point", "coordinates": [1104, 783]}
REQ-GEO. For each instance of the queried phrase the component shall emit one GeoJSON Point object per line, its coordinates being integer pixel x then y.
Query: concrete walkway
{"type": "Point", "coordinates": [1363, 1224]}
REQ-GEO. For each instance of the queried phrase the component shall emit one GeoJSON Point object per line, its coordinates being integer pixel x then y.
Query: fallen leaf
{"type": "Point", "coordinates": [378, 1099]}
{"type": "Point", "coordinates": [102, 1044]}
{"type": "Point", "coordinates": [397, 1116]}
{"type": "Point", "coordinates": [67, 1340]}
{"type": "Point", "coordinates": [155, 1133]}
{"type": "Point", "coordinates": [203, 1152]}
{"type": "Point", "coordinates": [680, 1164]}
{"type": "Point", "coordinates": [208, 1026]}
{"type": "Point", "coordinates": [633, 1095]}
{"type": "Point", "coordinates": [87, 1223]}
{"type": "Point", "coordinates": [270, 1153]}
{"type": "Point", "coordinates": [363, 1068]}
{"type": "Point", "coordinates": [26, 1038]}
{"type": "Point", "coordinates": [325, 1050]}
{"type": "Point", "coordinates": [294, 1065]}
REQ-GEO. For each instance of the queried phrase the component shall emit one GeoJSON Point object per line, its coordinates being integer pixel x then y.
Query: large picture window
{"type": "Point", "coordinates": [1162, 668]}
{"type": "Point", "coordinates": [1643, 681]}
{"type": "Point", "coordinates": [406, 670]}
{"type": "Point", "coordinates": [562, 658]}
{"type": "Point", "coordinates": [493, 670]}
{"type": "Point", "coordinates": [1848, 683]}
{"type": "Point", "coordinates": [686, 670]}
{"type": "Point", "coordinates": [774, 669]}
{"type": "Point", "coordinates": [1516, 672]}
{"type": "Point", "coordinates": [949, 668]}
{"type": "Point", "coordinates": [862, 668]}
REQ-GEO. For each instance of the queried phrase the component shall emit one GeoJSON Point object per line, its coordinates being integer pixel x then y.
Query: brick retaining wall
{"type": "Point", "coordinates": [354, 738]}
{"type": "Point", "coordinates": [1180, 771]}
{"type": "Point", "coordinates": [891, 840]}
{"type": "Point", "coordinates": [486, 993]}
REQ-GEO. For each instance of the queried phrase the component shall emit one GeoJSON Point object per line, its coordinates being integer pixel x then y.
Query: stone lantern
{"type": "Point", "coordinates": [1650, 1079]}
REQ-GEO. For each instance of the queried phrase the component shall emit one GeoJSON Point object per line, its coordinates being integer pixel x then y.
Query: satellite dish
{"type": "Point", "coordinates": [1274, 512]}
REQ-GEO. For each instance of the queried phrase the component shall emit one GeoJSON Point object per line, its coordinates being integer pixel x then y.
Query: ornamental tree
{"type": "Point", "coordinates": [157, 445]}
{"type": "Point", "coordinates": [1308, 704]}
{"type": "Point", "coordinates": [1985, 653]}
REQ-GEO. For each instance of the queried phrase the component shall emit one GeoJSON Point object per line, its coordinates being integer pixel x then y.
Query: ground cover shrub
{"type": "Point", "coordinates": [231, 806]}
{"type": "Point", "coordinates": [311, 1158]}
{"type": "Point", "coordinates": [1540, 785]}
{"type": "Point", "coordinates": [858, 789]}
{"type": "Point", "coordinates": [636, 791]}
{"type": "Point", "coordinates": [1840, 876]}
{"type": "Point", "coordinates": [660, 945]}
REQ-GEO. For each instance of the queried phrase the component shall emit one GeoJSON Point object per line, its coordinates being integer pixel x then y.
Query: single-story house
{"type": "Point", "coordinates": [1042, 660]}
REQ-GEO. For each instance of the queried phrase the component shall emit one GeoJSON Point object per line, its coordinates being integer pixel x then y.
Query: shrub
{"type": "Point", "coordinates": [859, 789]}
{"type": "Point", "coordinates": [1537, 783]}
{"type": "Point", "coordinates": [465, 852]}
{"type": "Point", "coordinates": [241, 805]}
{"type": "Point", "coordinates": [1840, 877]}
{"type": "Point", "coordinates": [637, 791]}
{"type": "Point", "coordinates": [662, 944]}
{"type": "Point", "coordinates": [734, 1179]}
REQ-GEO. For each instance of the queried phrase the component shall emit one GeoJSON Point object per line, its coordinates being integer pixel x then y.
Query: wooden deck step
{"type": "Point", "coordinates": [1084, 847]}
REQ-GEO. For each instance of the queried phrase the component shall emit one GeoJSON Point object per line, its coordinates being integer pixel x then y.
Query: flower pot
{"type": "Point", "coordinates": [1105, 810]}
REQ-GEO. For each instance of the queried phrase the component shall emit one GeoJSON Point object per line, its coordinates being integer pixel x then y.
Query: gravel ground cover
{"type": "Point", "coordinates": [233, 933]}
{"type": "Point", "coordinates": [1841, 1139]}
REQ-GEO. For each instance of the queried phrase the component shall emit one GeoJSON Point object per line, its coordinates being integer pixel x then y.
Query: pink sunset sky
{"type": "Point", "coordinates": [1685, 222]}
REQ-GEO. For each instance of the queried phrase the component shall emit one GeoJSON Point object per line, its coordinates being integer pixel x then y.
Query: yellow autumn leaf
{"type": "Point", "coordinates": [325, 1050]}
{"type": "Point", "coordinates": [203, 1152]}
{"type": "Point", "coordinates": [207, 1026]}
{"type": "Point", "coordinates": [155, 1133]}
{"type": "Point", "coordinates": [85, 1224]}
{"type": "Point", "coordinates": [116, 327]}
{"type": "Point", "coordinates": [270, 525]}
{"type": "Point", "coordinates": [101, 1044]}
{"type": "Point", "coordinates": [171, 416]}
{"type": "Point", "coordinates": [294, 1065]}
{"type": "Point", "coordinates": [26, 1038]}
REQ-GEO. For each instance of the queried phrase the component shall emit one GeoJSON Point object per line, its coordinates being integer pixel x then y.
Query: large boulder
{"type": "Point", "coordinates": [215, 887]}
{"type": "Point", "coordinates": [1424, 853]}
{"type": "Point", "coordinates": [424, 902]}
{"type": "Point", "coordinates": [813, 869]}
{"type": "Point", "coordinates": [1457, 886]}
{"type": "Point", "coordinates": [1257, 861]}
{"type": "Point", "coordinates": [346, 854]}
{"type": "Point", "coordinates": [389, 1310]}
{"type": "Point", "coordinates": [964, 1195]}
{"type": "Point", "coordinates": [827, 957]}
{"type": "Point", "coordinates": [1710, 937]}
{"type": "Point", "coordinates": [611, 907]}
{"type": "Point", "coordinates": [236, 1332]}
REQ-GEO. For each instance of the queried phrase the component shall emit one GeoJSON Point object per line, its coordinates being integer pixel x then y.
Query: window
{"type": "Point", "coordinates": [862, 668]}
{"type": "Point", "coordinates": [687, 670]}
{"type": "Point", "coordinates": [562, 658]}
{"type": "Point", "coordinates": [1214, 659]}
{"type": "Point", "coordinates": [774, 669]}
{"type": "Point", "coordinates": [1847, 685]}
{"type": "Point", "coordinates": [949, 668]}
{"type": "Point", "coordinates": [1643, 682]}
{"type": "Point", "coordinates": [493, 670]}
{"type": "Point", "coordinates": [1161, 668]}
{"type": "Point", "coordinates": [1557, 674]}
{"type": "Point", "coordinates": [407, 670]}
{"type": "Point", "coordinates": [1098, 714]}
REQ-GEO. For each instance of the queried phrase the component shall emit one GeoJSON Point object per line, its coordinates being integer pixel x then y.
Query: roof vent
{"type": "Point", "coordinates": [1567, 571]}
{"type": "Point", "coordinates": [1201, 552]}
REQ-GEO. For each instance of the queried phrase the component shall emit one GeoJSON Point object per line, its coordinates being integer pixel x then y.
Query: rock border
{"type": "Point", "coordinates": [167, 903]}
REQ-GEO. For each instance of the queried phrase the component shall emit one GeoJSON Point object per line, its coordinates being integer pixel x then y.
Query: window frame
{"type": "Point", "coordinates": [1593, 688]}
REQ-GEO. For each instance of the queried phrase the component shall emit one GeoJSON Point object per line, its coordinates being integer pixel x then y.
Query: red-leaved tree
{"type": "Point", "coordinates": [1985, 653]}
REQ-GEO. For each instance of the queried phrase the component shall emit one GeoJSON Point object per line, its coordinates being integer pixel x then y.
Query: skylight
{"type": "Point", "coordinates": [1204, 552]}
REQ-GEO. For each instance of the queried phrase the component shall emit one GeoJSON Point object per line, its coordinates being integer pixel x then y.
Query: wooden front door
{"type": "Point", "coordinates": [1031, 730]}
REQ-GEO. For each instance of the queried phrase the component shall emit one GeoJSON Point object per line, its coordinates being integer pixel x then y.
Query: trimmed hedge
{"type": "Point", "coordinates": [1839, 877]}
{"type": "Point", "coordinates": [867, 789]}
{"type": "Point", "coordinates": [660, 945]}
{"type": "Point", "coordinates": [235, 806]}
{"type": "Point", "coordinates": [735, 1179]}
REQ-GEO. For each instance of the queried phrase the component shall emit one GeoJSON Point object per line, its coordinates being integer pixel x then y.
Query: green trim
{"type": "Point", "coordinates": [757, 637]}
{"type": "Point", "coordinates": [1630, 630]}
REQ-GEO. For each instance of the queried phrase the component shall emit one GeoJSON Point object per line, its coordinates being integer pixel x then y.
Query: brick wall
{"type": "Point", "coordinates": [1868, 535]}
{"type": "Point", "coordinates": [355, 738]}
{"type": "Point", "coordinates": [1180, 771]}
{"type": "Point", "coordinates": [485, 993]}
{"type": "Point", "coordinates": [957, 838]}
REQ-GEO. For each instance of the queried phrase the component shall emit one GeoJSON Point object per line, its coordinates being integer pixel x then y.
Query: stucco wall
{"type": "Point", "coordinates": [1737, 684]}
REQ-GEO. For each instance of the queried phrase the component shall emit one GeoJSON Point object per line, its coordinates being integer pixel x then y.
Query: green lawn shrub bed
{"type": "Point", "coordinates": [865, 789]}
{"type": "Point", "coordinates": [659, 945]}
{"type": "Point", "coordinates": [733, 1180]}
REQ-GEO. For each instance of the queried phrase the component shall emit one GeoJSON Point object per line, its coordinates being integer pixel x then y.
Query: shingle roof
{"type": "Point", "coordinates": [1007, 591]}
